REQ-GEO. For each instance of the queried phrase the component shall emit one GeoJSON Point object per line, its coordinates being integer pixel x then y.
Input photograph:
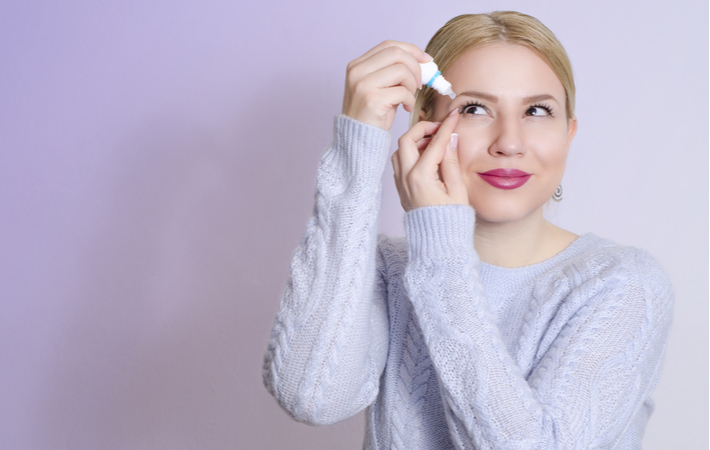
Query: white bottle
{"type": "Point", "coordinates": [431, 76]}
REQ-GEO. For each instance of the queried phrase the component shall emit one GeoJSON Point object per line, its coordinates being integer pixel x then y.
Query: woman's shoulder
{"type": "Point", "coordinates": [597, 260]}
{"type": "Point", "coordinates": [598, 254]}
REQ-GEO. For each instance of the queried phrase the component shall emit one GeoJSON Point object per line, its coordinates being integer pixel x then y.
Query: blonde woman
{"type": "Point", "coordinates": [487, 327]}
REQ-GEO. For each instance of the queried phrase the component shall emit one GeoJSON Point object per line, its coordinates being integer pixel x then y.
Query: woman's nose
{"type": "Point", "coordinates": [507, 140]}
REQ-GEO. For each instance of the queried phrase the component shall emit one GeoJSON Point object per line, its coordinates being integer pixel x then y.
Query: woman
{"type": "Point", "coordinates": [488, 327]}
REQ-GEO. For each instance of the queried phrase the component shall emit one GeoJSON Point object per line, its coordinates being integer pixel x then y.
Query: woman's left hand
{"type": "Point", "coordinates": [426, 167]}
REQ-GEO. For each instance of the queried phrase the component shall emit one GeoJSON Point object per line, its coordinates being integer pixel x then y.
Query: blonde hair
{"type": "Point", "coordinates": [470, 30]}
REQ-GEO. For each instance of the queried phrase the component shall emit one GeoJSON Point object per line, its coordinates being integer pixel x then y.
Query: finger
{"type": "Point", "coordinates": [434, 153]}
{"type": "Point", "coordinates": [412, 49]}
{"type": "Point", "coordinates": [421, 130]}
{"type": "Point", "coordinates": [396, 95]}
{"type": "Point", "coordinates": [389, 56]}
{"type": "Point", "coordinates": [378, 106]}
{"type": "Point", "coordinates": [423, 143]}
{"type": "Point", "coordinates": [408, 149]}
{"type": "Point", "coordinates": [393, 75]}
{"type": "Point", "coordinates": [451, 172]}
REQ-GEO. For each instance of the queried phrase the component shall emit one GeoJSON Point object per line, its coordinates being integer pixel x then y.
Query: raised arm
{"type": "Point", "coordinates": [329, 341]}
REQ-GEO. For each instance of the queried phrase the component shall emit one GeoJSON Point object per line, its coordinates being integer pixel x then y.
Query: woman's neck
{"type": "Point", "coordinates": [520, 243]}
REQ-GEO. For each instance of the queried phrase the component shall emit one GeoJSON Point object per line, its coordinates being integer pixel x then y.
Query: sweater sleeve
{"type": "Point", "coordinates": [328, 345]}
{"type": "Point", "coordinates": [585, 386]}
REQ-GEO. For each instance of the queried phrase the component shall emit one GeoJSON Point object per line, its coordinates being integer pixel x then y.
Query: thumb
{"type": "Point", "coordinates": [451, 172]}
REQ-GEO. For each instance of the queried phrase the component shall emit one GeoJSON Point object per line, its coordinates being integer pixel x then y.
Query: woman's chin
{"type": "Point", "coordinates": [505, 211]}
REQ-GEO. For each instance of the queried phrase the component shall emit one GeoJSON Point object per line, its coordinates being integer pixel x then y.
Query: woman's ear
{"type": "Point", "coordinates": [571, 129]}
{"type": "Point", "coordinates": [422, 115]}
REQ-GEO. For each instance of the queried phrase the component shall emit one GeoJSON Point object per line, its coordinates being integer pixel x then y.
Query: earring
{"type": "Point", "coordinates": [557, 196]}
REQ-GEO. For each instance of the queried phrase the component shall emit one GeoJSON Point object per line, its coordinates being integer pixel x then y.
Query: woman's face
{"type": "Point", "coordinates": [513, 132]}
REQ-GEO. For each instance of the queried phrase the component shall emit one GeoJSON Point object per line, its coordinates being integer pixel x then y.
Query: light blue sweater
{"type": "Point", "coordinates": [448, 352]}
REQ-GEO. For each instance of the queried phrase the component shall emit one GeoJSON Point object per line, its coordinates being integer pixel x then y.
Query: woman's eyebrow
{"type": "Point", "coordinates": [489, 97]}
{"type": "Point", "coordinates": [494, 99]}
{"type": "Point", "coordinates": [539, 98]}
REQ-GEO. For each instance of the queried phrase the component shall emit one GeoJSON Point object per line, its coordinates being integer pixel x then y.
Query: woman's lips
{"type": "Point", "coordinates": [505, 178]}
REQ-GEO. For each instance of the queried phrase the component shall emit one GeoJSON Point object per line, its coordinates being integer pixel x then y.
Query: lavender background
{"type": "Point", "coordinates": [157, 163]}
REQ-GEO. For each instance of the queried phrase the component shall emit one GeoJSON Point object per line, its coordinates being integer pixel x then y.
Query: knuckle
{"type": "Point", "coordinates": [393, 49]}
{"type": "Point", "coordinates": [353, 72]}
{"type": "Point", "coordinates": [399, 51]}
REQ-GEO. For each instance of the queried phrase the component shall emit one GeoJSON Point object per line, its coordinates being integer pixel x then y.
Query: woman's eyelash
{"type": "Point", "coordinates": [469, 105]}
{"type": "Point", "coordinates": [541, 106]}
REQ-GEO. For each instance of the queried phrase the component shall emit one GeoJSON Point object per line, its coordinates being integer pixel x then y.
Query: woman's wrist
{"type": "Point", "coordinates": [440, 230]}
{"type": "Point", "coordinates": [357, 156]}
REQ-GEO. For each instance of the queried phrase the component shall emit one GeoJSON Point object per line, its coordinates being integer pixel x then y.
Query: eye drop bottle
{"type": "Point", "coordinates": [431, 76]}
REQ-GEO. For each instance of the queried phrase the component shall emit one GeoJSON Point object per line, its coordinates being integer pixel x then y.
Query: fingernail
{"type": "Point", "coordinates": [453, 111]}
{"type": "Point", "coordinates": [454, 143]}
{"type": "Point", "coordinates": [431, 58]}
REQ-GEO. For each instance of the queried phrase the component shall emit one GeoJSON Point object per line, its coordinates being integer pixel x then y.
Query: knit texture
{"type": "Point", "coordinates": [447, 352]}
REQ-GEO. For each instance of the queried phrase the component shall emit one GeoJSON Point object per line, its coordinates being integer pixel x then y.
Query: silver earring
{"type": "Point", "coordinates": [557, 196]}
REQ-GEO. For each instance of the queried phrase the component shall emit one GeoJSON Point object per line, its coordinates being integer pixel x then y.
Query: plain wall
{"type": "Point", "coordinates": [157, 165]}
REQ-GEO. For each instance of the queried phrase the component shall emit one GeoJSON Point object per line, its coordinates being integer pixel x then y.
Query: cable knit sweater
{"type": "Point", "coordinates": [447, 352]}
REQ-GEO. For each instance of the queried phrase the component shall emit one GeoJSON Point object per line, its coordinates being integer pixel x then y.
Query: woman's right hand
{"type": "Point", "coordinates": [426, 165]}
{"type": "Point", "coordinates": [383, 78]}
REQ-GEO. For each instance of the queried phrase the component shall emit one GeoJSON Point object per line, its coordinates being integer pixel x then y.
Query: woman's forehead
{"type": "Point", "coordinates": [503, 70]}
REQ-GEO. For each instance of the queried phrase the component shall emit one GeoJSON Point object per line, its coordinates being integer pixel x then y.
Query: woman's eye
{"type": "Point", "coordinates": [474, 109]}
{"type": "Point", "coordinates": [539, 111]}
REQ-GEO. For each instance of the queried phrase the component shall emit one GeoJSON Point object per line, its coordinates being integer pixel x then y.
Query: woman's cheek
{"type": "Point", "coordinates": [553, 149]}
{"type": "Point", "coordinates": [464, 154]}
{"type": "Point", "coordinates": [471, 146]}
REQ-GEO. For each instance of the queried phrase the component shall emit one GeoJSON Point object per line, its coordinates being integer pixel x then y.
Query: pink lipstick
{"type": "Point", "coordinates": [505, 178]}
